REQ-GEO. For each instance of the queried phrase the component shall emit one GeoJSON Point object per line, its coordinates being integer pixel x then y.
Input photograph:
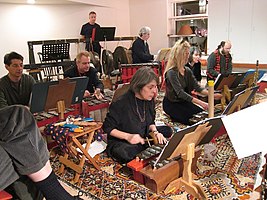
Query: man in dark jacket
{"type": "Point", "coordinates": [83, 68]}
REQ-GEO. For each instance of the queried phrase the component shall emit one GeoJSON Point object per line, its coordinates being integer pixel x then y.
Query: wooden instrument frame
{"type": "Point", "coordinates": [187, 150]}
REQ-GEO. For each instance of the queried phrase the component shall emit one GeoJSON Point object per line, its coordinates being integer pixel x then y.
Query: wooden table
{"type": "Point", "coordinates": [75, 143]}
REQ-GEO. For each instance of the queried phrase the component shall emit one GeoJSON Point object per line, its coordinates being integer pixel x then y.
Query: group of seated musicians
{"type": "Point", "coordinates": [132, 116]}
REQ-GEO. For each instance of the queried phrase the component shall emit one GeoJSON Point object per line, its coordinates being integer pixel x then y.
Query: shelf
{"type": "Point", "coordinates": [176, 36]}
{"type": "Point", "coordinates": [188, 17]}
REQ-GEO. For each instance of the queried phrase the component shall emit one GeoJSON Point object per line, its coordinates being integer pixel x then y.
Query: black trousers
{"type": "Point", "coordinates": [180, 111]}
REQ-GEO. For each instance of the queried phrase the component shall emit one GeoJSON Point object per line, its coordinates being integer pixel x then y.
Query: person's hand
{"type": "Point", "coordinates": [98, 94]}
{"type": "Point", "coordinates": [161, 138]}
{"type": "Point", "coordinates": [86, 94]}
{"type": "Point", "coordinates": [217, 96]}
{"type": "Point", "coordinates": [204, 105]}
{"type": "Point", "coordinates": [135, 139]}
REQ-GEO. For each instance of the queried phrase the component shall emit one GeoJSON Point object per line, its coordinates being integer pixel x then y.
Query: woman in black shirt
{"type": "Point", "coordinates": [194, 63]}
{"type": "Point", "coordinates": [131, 117]}
{"type": "Point", "coordinates": [178, 102]}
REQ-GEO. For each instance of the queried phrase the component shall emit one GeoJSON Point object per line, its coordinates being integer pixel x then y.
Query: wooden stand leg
{"type": "Point", "coordinates": [62, 167]}
{"type": "Point", "coordinates": [226, 95]}
{"type": "Point", "coordinates": [211, 98]}
{"type": "Point", "coordinates": [186, 181]}
{"type": "Point", "coordinates": [61, 109]}
{"type": "Point", "coordinates": [78, 168]}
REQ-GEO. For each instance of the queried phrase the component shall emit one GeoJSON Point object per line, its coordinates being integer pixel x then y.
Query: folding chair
{"type": "Point", "coordinates": [74, 144]}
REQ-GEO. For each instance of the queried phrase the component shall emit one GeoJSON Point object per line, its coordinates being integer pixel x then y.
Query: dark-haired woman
{"type": "Point", "coordinates": [194, 62]}
{"type": "Point", "coordinates": [131, 118]}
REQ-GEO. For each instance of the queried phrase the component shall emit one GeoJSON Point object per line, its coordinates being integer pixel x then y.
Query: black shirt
{"type": "Point", "coordinates": [93, 82]}
{"type": "Point", "coordinates": [196, 69]}
{"type": "Point", "coordinates": [140, 52]}
{"type": "Point", "coordinates": [123, 116]}
{"type": "Point", "coordinates": [86, 31]}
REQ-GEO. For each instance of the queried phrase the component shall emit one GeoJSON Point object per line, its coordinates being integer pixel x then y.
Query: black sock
{"type": "Point", "coordinates": [52, 189]}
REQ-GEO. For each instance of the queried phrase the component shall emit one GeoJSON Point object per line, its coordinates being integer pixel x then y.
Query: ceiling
{"type": "Point", "coordinates": [41, 2]}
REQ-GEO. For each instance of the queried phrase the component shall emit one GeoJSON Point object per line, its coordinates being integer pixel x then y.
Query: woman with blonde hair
{"type": "Point", "coordinates": [178, 102]}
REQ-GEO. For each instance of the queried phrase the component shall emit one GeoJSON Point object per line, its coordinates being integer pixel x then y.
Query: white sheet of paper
{"type": "Point", "coordinates": [95, 148]}
{"type": "Point", "coordinates": [247, 130]}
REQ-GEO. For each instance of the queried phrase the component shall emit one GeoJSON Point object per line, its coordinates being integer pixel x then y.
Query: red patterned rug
{"type": "Point", "coordinates": [226, 177]}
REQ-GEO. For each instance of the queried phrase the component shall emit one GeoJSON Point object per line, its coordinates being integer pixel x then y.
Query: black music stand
{"type": "Point", "coordinates": [46, 95]}
{"type": "Point", "coordinates": [183, 144]}
{"type": "Point", "coordinates": [231, 81]}
{"type": "Point", "coordinates": [169, 149]}
{"type": "Point", "coordinates": [240, 100]}
{"type": "Point", "coordinates": [55, 52]}
{"type": "Point", "coordinates": [105, 34]}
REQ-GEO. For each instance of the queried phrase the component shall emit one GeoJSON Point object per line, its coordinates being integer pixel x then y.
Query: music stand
{"type": "Point", "coordinates": [105, 33]}
{"type": "Point", "coordinates": [58, 51]}
{"type": "Point", "coordinates": [240, 100]}
{"type": "Point", "coordinates": [231, 81]}
{"type": "Point", "coordinates": [183, 144]}
{"type": "Point", "coordinates": [163, 54]}
{"type": "Point", "coordinates": [250, 75]}
{"type": "Point", "coordinates": [71, 92]}
{"type": "Point", "coordinates": [169, 150]}
{"type": "Point", "coordinates": [55, 52]}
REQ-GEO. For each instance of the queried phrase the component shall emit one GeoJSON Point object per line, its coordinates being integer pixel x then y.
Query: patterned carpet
{"type": "Point", "coordinates": [225, 177]}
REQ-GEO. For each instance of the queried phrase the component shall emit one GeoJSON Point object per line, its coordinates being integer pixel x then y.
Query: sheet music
{"type": "Point", "coordinates": [246, 130]}
{"type": "Point", "coordinates": [95, 148]}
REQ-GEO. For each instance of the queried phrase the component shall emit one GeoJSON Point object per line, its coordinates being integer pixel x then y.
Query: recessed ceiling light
{"type": "Point", "coordinates": [31, 1]}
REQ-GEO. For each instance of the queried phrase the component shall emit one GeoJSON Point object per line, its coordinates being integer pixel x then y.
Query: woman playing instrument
{"type": "Point", "coordinates": [131, 118]}
{"type": "Point", "coordinates": [140, 48]}
{"type": "Point", "coordinates": [178, 102]}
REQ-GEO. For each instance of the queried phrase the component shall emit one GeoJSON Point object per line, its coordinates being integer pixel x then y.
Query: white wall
{"type": "Point", "coordinates": [152, 13]}
{"type": "Point", "coordinates": [246, 28]}
{"type": "Point", "coordinates": [21, 23]}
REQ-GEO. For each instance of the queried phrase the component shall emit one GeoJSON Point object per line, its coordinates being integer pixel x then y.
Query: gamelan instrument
{"type": "Point", "coordinates": [157, 175]}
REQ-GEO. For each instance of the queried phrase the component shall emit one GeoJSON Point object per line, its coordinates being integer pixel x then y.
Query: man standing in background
{"type": "Point", "coordinates": [88, 32]}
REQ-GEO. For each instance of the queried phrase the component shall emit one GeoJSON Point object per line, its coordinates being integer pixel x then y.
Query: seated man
{"type": "Point", "coordinates": [24, 152]}
{"type": "Point", "coordinates": [15, 87]}
{"type": "Point", "coordinates": [220, 61]}
{"type": "Point", "coordinates": [83, 68]}
{"type": "Point", "coordinates": [140, 48]}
